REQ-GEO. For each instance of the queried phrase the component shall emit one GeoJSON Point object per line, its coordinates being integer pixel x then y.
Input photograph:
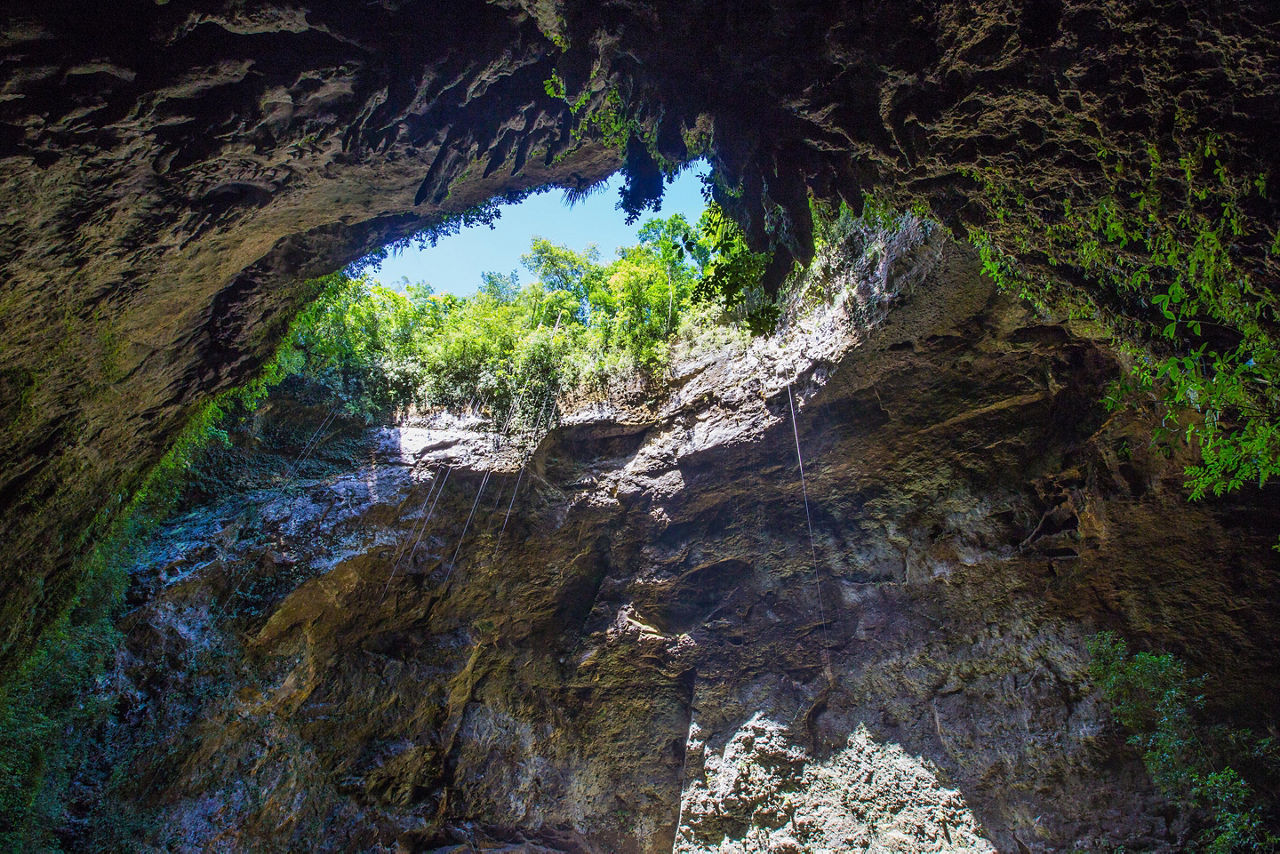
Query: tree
{"type": "Point", "coordinates": [502, 288]}
{"type": "Point", "coordinates": [673, 239]}
{"type": "Point", "coordinates": [733, 272]}
{"type": "Point", "coordinates": [561, 269]}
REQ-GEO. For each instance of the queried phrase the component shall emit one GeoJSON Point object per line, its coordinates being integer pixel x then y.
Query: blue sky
{"type": "Point", "coordinates": [454, 265]}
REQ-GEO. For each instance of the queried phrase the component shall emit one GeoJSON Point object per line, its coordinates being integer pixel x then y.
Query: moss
{"type": "Point", "coordinates": [52, 706]}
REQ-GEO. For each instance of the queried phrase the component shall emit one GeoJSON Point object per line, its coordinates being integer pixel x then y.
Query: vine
{"type": "Point", "coordinates": [1163, 245]}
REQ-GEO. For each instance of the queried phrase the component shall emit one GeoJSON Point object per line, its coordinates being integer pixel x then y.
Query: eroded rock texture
{"type": "Point", "coordinates": [653, 653]}
{"type": "Point", "coordinates": [170, 172]}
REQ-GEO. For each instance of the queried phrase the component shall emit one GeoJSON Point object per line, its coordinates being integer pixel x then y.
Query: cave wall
{"type": "Point", "coordinates": [172, 172]}
{"type": "Point", "coordinates": [649, 653]}
{"type": "Point", "coordinates": [173, 175]}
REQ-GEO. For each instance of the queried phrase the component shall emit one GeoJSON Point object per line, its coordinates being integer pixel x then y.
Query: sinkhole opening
{"type": "Point", "coordinates": [506, 318]}
{"type": "Point", "coordinates": [508, 311]}
{"type": "Point", "coordinates": [457, 264]}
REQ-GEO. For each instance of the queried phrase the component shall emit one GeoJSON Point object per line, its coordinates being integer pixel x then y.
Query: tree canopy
{"type": "Point", "coordinates": [579, 322]}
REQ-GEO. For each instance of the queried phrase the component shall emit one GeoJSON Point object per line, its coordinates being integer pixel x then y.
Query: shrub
{"type": "Point", "coordinates": [1152, 697]}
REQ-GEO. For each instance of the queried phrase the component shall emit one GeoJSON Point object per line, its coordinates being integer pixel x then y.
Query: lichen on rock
{"type": "Point", "coordinates": [762, 794]}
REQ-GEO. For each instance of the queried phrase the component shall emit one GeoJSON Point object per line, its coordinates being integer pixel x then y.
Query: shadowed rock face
{"type": "Point", "coordinates": [170, 173]}
{"type": "Point", "coordinates": [653, 652]}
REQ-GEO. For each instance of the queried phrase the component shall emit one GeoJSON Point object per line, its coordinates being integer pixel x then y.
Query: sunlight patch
{"type": "Point", "coordinates": [764, 793]}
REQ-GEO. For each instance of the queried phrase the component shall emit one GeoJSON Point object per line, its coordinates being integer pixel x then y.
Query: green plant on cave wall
{"type": "Point", "coordinates": [1162, 253]}
{"type": "Point", "coordinates": [52, 708]}
{"type": "Point", "coordinates": [53, 704]}
{"type": "Point", "coordinates": [734, 274]}
{"type": "Point", "coordinates": [1189, 758]}
{"type": "Point", "coordinates": [601, 111]}
{"type": "Point", "coordinates": [612, 119]}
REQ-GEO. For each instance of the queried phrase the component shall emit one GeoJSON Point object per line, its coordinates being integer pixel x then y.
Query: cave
{"type": "Point", "coordinates": [175, 173]}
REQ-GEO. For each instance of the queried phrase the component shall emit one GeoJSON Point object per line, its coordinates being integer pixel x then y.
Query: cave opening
{"type": "Point", "coordinates": [455, 263]}
{"type": "Point", "coordinates": [175, 186]}
{"type": "Point", "coordinates": [598, 297]}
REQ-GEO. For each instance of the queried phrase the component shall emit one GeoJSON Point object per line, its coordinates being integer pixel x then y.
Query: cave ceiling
{"type": "Point", "coordinates": [173, 172]}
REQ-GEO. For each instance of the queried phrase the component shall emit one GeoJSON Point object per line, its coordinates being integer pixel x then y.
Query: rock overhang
{"type": "Point", "coordinates": [172, 172]}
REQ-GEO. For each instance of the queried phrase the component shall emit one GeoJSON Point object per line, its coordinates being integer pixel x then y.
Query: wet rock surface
{"type": "Point", "coordinates": [649, 652]}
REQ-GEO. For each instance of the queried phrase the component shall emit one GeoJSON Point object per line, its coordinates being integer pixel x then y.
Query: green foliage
{"type": "Point", "coordinates": [46, 709]}
{"type": "Point", "coordinates": [578, 325]}
{"type": "Point", "coordinates": [1152, 697]}
{"type": "Point", "coordinates": [602, 111]}
{"type": "Point", "coordinates": [734, 272]}
{"type": "Point", "coordinates": [561, 269]}
{"type": "Point", "coordinates": [499, 286]}
{"type": "Point", "coordinates": [876, 213]}
{"type": "Point", "coordinates": [1163, 247]}
{"type": "Point", "coordinates": [51, 706]}
{"type": "Point", "coordinates": [555, 87]}
{"type": "Point", "coordinates": [611, 119]}
{"type": "Point", "coordinates": [359, 341]}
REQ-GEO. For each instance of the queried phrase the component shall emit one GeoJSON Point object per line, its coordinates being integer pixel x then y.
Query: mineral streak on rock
{"type": "Point", "coordinates": [171, 172]}
{"type": "Point", "coordinates": [640, 664]}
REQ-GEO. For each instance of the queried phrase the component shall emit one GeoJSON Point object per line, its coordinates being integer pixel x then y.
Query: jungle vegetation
{"type": "Point", "coordinates": [1172, 272]}
{"type": "Point", "coordinates": [1213, 771]}
{"type": "Point", "coordinates": [580, 325]}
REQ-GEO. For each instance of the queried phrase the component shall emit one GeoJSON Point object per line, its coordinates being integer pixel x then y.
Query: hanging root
{"type": "Point", "coordinates": [421, 530]}
{"type": "Point", "coordinates": [453, 560]}
{"type": "Point", "coordinates": [813, 549]}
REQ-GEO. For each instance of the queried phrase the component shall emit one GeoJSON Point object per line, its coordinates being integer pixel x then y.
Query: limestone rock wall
{"type": "Point", "coordinates": [649, 652]}
{"type": "Point", "coordinates": [171, 172]}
